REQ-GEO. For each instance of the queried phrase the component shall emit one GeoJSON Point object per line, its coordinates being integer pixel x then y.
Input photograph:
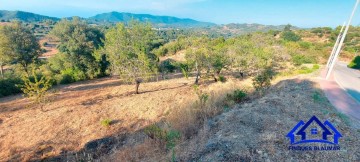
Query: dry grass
{"type": "Point", "coordinates": [73, 116]}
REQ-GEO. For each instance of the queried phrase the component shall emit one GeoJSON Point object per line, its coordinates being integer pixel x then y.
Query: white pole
{"type": "Point", "coordinates": [335, 46]}
{"type": "Point", "coordinates": [342, 41]}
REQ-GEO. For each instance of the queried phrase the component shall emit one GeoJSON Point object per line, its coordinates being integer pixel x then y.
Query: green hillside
{"type": "Point", "coordinates": [23, 16]}
{"type": "Point", "coordinates": [157, 21]}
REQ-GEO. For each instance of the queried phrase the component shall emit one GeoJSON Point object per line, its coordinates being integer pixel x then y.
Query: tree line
{"type": "Point", "coordinates": [132, 52]}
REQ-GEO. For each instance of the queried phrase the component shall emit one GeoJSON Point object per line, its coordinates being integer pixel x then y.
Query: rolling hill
{"type": "Point", "coordinates": [23, 16]}
{"type": "Point", "coordinates": [157, 21]}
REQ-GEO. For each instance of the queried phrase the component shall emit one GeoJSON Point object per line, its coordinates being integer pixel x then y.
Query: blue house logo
{"type": "Point", "coordinates": [314, 131]}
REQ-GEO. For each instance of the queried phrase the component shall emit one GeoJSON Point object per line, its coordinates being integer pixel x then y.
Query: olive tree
{"type": "Point", "coordinates": [128, 50]}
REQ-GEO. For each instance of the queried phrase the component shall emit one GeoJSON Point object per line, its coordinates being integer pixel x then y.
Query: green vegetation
{"type": "Point", "coordinates": [23, 16]}
{"type": "Point", "coordinates": [222, 79]}
{"type": "Point", "coordinates": [78, 41]}
{"type": "Point", "coordinates": [128, 51]}
{"type": "Point", "coordinates": [35, 88]}
{"type": "Point", "coordinates": [106, 122]}
{"type": "Point", "coordinates": [289, 35]}
{"type": "Point", "coordinates": [237, 96]}
{"type": "Point", "coordinates": [168, 137]}
{"type": "Point", "coordinates": [18, 45]}
{"type": "Point", "coordinates": [8, 86]}
{"type": "Point", "coordinates": [355, 64]}
{"type": "Point", "coordinates": [262, 81]}
{"type": "Point", "coordinates": [157, 21]}
{"type": "Point", "coordinates": [133, 50]}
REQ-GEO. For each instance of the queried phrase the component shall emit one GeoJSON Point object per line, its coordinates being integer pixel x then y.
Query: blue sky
{"type": "Point", "coordinates": [303, 13]}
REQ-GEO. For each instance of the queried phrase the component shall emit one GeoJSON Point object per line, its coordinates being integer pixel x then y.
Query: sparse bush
{"type": "Point", "coordinates": [222, 79]}
{"type": "Point", "coordinates": [355, 64]}
{"type": "Point", "coordinates": [237, 96]}
{"type": "Point", "coordinates": [169, 138]}
{"type": "Point", "coordinates": [202, 98]}
{"type": "Point", "coordinates": [263, 80]}
{"type": "Point", "coordinates": [316, 67]}
{"type": "Point", "coordinates": [35, 88]}
{"type": "Point", "coordinates": [106, 122]}
{"type": "Point", "coordinates": [184, 69]}
{"type": "Point", "coordinates": [306, 70]}
{"type": "Point", "coordinates": [299, 59]}
{"type": "Point", "coordinates": [290, 36]}
{"type": "Point", "coordinates": [317, 97]}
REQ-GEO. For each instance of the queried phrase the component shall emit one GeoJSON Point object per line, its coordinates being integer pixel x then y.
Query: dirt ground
{"type": "Point", "coordinates": [74, 113]}
{"type": "Point", "coordinates": [256, 130]}
{"type": "Point", "coordinates": [70, 124]}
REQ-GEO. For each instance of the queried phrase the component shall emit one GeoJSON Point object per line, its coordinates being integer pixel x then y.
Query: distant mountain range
{"type": "Point", "coordinates": [112, 17]}
{"type": "Point", "coordinates": [23, 16]}
{"type": "Point", "coordinates": [156, 21]}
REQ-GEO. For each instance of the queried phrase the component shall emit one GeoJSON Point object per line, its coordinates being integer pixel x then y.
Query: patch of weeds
{"type": "Point", "coordinates": [226, 108]}
{"type": "Point", "coordinates": [106, 122]}
{"type": "Point", "coordinates": [316, 67]}
{"type": "Point", "coordinates": [222, 79]}
{"type": "Point", "coordinates": [317, 97]}
{"type": "Point", "coordinates": [170, 137]}
{"type": "Point", "coordinates": [306, 70]}
{"type": "Point", "coordinates": [202, 97]}
{"type": "Point", "coordinates": [262, 81]}
{"type": "Point", "coordinates": [237, 96]}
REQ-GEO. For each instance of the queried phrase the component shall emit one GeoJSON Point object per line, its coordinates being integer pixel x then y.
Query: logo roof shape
{"type": "Point", "coordinates": [304, 126]}
{"type": "Point", "coordinates": [325, 132]}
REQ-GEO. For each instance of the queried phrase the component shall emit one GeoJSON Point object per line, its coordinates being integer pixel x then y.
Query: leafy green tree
{"type": "Point", "coordinates": [18, 45]}
{"type": "Point", "coordinates": [199, 60]}
{"type": "Point", "coordinates": [4, 59]}
{"type": "Point", "coordinates": [218, 58]}
{"type": "Point", "coordinates": [78, 41]}
{"type": "Point", "coordinates": [128, 49]}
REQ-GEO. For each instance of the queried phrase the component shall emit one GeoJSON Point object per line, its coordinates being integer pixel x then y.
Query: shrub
{"type": "Point", "coordinates": [35, 88]}
{"type": "Point", "coordinates": [184, 69]}
{"type": "Point", "coordinates": [203, 98]}
{"type": "Point", "coordinates": [316, 67]}
{"type": "Point", "coordinates": [70, 76]}
{"type": "Point", "coordinates": [8, 86]}
{"type": "Point", "coordinates": [355, 64]}
{"type": "Point", "coordinates": [290, 36]}
{"type": "Point", "coordinates": [167, 66]}
{"type": "Point", "coordinates": [65, 79]}
{"type": "Point", "coordinates": [106, 122]}
{"type": "Point", "coordinates": [237, 96]}
{"type": "Point", "coordinates": [169, 138]}
{"type": "Point", "coordinates": [299, 59]}
{"type": "Point", "coordinates": [263, 80]}
{"type": "Point", "coordinates": [222, 79]}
